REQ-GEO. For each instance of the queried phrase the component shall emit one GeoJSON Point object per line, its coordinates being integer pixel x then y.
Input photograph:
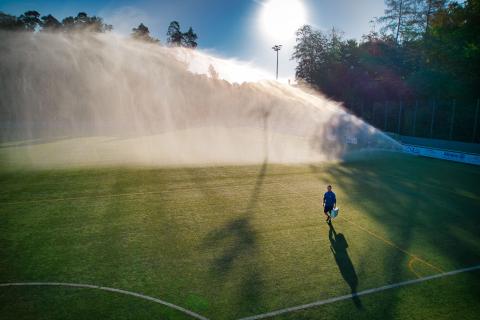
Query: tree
{"type": "Point", "coordinates": [429, 8]}
{"type": "Point", "coordinates": [189, 39]}
{"type": "Point", "coordinates": [10, 23]}
{"type": "Point", "coordinates": [94, 24]}
{"type": "Point", "coordinates": [50, 24]}
{"type": "Point", "coordinates": [82, 22]}
{"type": "Point", "coordinates": [176, 38]}
{"type": "Point", "coordinates": [174, 35]}
{"type": "Point", "coordinates": [453, 49]}
{"type": "Point", "coordinates": [334, 44]}
{"type": "Point", "coordinates": [309, 52]}
{"type": "Point", "coordinates": [142, 33]}
{"type": "Point", "coordinates": [30, 20]}
{"type": "Point", "coordinates": [68, 24]}
{"type": "Point", "coordinates": [398, 18]}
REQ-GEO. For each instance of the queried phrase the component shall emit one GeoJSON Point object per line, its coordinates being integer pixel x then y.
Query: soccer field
{"type": "Point", "coordinates": [236, 242]}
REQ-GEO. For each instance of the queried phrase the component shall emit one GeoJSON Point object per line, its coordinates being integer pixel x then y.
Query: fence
{"type": "Point", "coordinates": [450, 120]}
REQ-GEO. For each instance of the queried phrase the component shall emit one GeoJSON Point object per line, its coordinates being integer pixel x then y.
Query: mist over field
{"type": "Point", "coordinates": [90, 99]}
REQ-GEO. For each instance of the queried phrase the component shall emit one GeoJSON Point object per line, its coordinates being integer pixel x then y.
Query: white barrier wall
{"type": "Point", "coordinates": [442, 154]}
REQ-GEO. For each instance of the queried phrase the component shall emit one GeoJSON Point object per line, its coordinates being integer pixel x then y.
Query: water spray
{"type": "Point", "coordinates": [99, 99]}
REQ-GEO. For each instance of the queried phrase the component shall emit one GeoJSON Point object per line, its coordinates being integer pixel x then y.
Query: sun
{"type": "Point", "coordinates": [279, 19]}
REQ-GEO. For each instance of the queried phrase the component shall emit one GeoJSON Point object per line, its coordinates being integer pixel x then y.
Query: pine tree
{"type": "Point", "coordinates": [189, 39]}
{"type": "Point", "coordinates": [398, 18]}
{"type": "Point", "coordinates": [174, 35]}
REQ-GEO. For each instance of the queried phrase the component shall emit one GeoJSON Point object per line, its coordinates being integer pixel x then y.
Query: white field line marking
{"type": "Point", "coordinates": [89, 286]}
{"type": "Point", "coordinates": [361, 293]}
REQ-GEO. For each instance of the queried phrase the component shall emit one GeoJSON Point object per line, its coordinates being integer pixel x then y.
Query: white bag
{"type": "Point", "coordinates": [334, 212]}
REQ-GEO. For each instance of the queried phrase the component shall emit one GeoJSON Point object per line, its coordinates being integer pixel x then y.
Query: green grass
{"type": "Point", "coordinates": [230, 242]}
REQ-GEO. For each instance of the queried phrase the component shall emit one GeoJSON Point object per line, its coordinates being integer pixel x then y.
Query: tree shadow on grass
{"type": "Point", "coordinates": [238, 241]}
{"type": "Point", "coordinates": [239, 228]}
{"type": "Point", "coordinates": [338, 246]}
{"type": "Point", "coordinates": [244, 239]}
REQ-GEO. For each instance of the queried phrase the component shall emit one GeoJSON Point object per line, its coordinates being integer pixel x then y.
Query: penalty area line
{"type": "Point", "coordinates": [125, 292]}
{"type": "Point", "coordinates": [358, 294]}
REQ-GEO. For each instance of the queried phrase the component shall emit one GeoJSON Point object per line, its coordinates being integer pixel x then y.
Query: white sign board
{"type": "Point", "coordinates": [442, 154]}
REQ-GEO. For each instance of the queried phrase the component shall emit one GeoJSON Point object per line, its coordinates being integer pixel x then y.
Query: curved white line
{"type": "Point", "coordinates": [89, 286]}
{"type": "Point", "coordinates": [361, 293]}
{"type": "Point", "coordinates": [255, 317]}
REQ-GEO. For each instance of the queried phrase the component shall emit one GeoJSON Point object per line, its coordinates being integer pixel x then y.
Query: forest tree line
{"type": "Point", "coordinates": [419, 49]}
{"type": "Point", "coordinates": [33, 21]}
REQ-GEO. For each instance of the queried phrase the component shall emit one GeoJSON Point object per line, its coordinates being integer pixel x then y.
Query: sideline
{"type": "Point", "coordinates": [361, 293]}
{"type": "Point", "coordinates": [89, 286]}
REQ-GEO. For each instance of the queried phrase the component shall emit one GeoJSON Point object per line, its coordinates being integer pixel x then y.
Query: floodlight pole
{"type": "Point", "coordinates": [277, 48]}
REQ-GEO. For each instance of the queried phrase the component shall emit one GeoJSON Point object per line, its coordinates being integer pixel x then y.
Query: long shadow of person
{"type": "Point", "coordinates": [339, 245]}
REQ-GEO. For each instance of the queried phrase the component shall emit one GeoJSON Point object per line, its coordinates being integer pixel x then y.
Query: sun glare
{"type": "Point", "coordinates": [279, 19]}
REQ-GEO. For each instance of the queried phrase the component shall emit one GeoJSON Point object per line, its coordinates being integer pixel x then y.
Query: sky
{"type": "Point", "coordinates": [234, 29]}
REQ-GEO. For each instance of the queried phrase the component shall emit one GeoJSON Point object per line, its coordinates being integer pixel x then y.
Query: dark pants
{"type": "Point", "coordinates": [327, 208]}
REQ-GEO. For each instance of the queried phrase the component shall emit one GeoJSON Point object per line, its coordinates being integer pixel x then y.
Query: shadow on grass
{"type": "Point", "coordinates": [238, 241]}
{"type": "Point", "coordinates": [240, 229]}
{"type": "Point", "coordinates": [365, 183]}
{"type": "Point", "coordinates": [338, 246]}
{"type": "Point", "coordinates": [244, 241]}
{"type": "Point", "coordinates": [414, 203]}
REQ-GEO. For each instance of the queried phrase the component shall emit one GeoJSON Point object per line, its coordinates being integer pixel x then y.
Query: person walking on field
{"type": "Point", "coordinates": [329, 202]}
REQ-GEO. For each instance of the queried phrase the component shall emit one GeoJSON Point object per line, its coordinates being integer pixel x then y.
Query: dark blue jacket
{"type": "Point", "coordinates": [329, 198]}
